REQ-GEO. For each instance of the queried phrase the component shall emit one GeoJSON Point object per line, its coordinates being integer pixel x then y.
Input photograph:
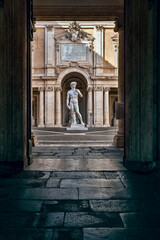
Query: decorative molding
{"type": "Point", "coordinates": [119, 24]}
{"type": "Point", "coordinates": [48, 89]}
{"type": "Point", "coordinates": [90, 89]}
{"type": "Point", "coordinates": [58, 89]}
{"type": "Point", "coordinates": [99, 27]}
{"type": "Point", "coordinates": [41, 89]}
{"type": "Point", "coordinates": [98, 89]}
{"type": "Point", "coordinates": [74, 33]}
{"type": "Point", "coordinates": [49, 28]}
{"type": "Point", "coordinates": [115, 42]}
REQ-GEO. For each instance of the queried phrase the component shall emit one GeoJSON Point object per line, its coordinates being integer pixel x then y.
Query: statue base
{"type": "Point", "coordinates": [77, 127]}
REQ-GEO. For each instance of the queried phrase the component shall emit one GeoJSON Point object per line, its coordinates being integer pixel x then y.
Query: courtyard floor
{"type": "Point", "coordinates": [78, 189]}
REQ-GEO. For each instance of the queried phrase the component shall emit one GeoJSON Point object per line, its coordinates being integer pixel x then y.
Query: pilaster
{"type": "Point", "coordinates": [41, 107]}
{"type": "Point", "coordinates": [49, 106]}
{"type": "Point", "coordinates": [106, 107]}
{"type": "Point", "coordinates": [89, 107]}
{"type": "Point", "coordinates": [119, 27]}
{"type": "Point", "coordinates": [50, 50]}
{"type": "Point", "coordinates": [98, 106]}
{"type": "Point", "coordinates": [58, 107]}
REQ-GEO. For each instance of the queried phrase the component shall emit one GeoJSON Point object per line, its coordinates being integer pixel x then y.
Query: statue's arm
{"type": "Point", "coordinates": [79, 93]}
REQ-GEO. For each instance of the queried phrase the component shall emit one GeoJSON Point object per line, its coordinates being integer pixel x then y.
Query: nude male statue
{"type": "Point", "coordinates": [72, 103]}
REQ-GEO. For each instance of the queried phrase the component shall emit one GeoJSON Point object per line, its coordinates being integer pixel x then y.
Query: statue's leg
{"type": "Point", "coordinates": [78, 113]}
{"type": "Point", "coordinates": [73, 116]}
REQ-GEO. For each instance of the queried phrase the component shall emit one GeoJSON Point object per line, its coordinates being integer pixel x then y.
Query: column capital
{"type": "Point", "coordinates": [49, 28]}
{"type": "Point", "coordinates": [98, 88]}
{"type": "Point", "coordinates": [119, 24]}
{"type": "Point", "coordinates": [49, 89]}
{"type": "Point", "coordinates": [99, 27]}
{"type": "Point", "coordinates": [90, 89]}
{"type": "Point", "coordinates": [58, 89]}
{"type": "Point", "coordinates": [106, 89]}
{"type": "Point", "coordinates": [41, 89]}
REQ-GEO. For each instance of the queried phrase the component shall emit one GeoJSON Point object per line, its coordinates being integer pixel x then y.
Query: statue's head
{"type": "Point", "coordinates": [73, 84]}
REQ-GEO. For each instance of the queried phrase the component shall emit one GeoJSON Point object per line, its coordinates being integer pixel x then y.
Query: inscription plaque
{"type": "Point", "coordinates": [73, 52]}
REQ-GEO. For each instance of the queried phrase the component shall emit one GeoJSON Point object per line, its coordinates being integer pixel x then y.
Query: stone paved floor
{"type": "Point", "coordinates": [69, 203]}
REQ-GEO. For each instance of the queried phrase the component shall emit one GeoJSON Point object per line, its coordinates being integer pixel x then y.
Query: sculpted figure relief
{"type": "Point", "coordinates": [72, 103]}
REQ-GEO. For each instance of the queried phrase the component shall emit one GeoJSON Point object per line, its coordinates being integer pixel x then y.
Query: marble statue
{"type": "Point", "coordinates": [72, 103]}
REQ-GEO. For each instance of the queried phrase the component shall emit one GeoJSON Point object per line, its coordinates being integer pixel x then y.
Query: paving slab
{"type": "Point", "coordinates": [54, 219]}
{"type": "Point", "coordinates": [77, 175]}
{"type": "Point", "coordinates": [85, 183]}
{"type": "Point", "coordinates": [20, 205]}
{"type": "Point", "coordinates": [85, 219]}
{"type": "Point", "coordinates": [18, 220]}
{"type": "Point", "coordinates": [121, 233]}
{"type": "Point", "coordinates": [26, 234]}
{"type": "Point", "coordinates": [45, 193]}
{"type": "Point", "coordinates": [141, 220]}
{"type": "Point", "coordinates": [116, 205]}
{"type": "Point", "coordinates": [66, 206]}
{"type": "Point", "coordinates": [67, 234]}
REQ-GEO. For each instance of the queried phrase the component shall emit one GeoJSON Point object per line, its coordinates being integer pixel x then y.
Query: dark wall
{"type": "Point", "coordinates": [141, 84]}
{"type": "Point", "coordinates": [13, 82]}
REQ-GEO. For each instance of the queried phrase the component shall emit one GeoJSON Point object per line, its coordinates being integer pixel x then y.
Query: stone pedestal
{"type": "Point", "coordinates": [77, 127]}
{"type": "Point", "coordinates": [119, 27]}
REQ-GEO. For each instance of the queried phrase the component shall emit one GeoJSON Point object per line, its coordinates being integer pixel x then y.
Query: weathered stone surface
{"type": "Point", "coordinates": [140, 219]}
{"type": "Point", "coordinates": [54, 219]}
{"type": "Point", "coordinates": [45, 194]}
{"type": "Point", "coordinates": [120, 233]}
{"type": "Point", "coordinates": [53, 183]}
{"type": "Point", "coordinates": [116, 205]}
{"type": "Point", "coordinates": [84, 219]}
{"type": "Point", "coordinates": [67, 234]}
{"type": "Point", "coordinates": [77, 175]}
{"type": "Point", "coordinates": [66, 206]}
{"type": "Point", "coordinates": [20, 205]}
{"type": "Point", "coordinates": [29, 234]}
{"type": "Point", "coordinates": [19, 220]}
{"type": "Point", "coordinates": [85, 183]}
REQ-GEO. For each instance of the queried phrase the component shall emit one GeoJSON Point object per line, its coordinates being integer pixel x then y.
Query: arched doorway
{"type": "Point", "coordinates": [82, 86]}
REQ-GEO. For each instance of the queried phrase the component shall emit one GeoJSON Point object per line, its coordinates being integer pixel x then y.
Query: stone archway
{"type": "Point", "coordinates": [82, 86]}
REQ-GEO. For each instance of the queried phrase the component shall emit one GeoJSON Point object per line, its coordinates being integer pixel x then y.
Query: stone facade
{"type": "Point", "coordinates": [85, 52]}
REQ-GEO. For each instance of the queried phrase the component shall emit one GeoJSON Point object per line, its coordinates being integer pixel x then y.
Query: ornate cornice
{"type": "Point", "coordinates": [119, 24]}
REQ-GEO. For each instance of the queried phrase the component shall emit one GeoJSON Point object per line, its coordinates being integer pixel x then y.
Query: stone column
{"type": "Point", "coordinates": [106, 107]}
{"type": "Point", "coordinates": [99, 49]}
{"type": "Point", "coordinates": [98, 106]}
{"type": "Point", "coordinates": [49, 106]}
{"type": "Point", "coordinates": [58, 106]}
{"type": "Point", "coordinates": [41, 107]}
{"type": "Point", "coordinates": [119, 27]}
{"type": "Point", "coordinates": [49, 51]}
{"type": "Point", "coordinates": [89, 105]}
